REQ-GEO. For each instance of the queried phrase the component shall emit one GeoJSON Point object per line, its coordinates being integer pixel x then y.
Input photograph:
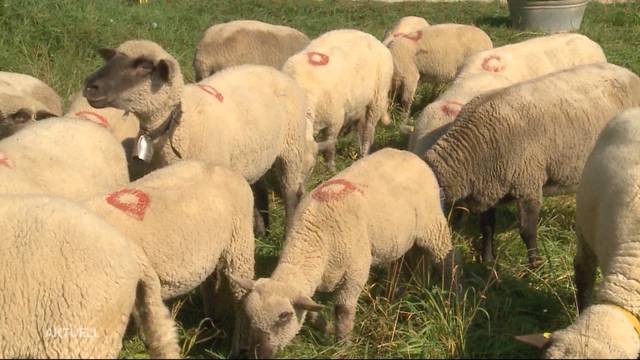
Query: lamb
{"type": "Point", "coordinates": [607, 214]}
{"type": "Point", "coordinates": [433, 53]}
{"type": "Point", "coordinates": [346, 76]}
{"type": "Point", "coordinates": [62, 157]}
{"type": "Point", "coordinates": [345, 226]}
{"type": "Point", "coordinates": [24, 100]}
{"type": "Point", "coordinates": [404, 26]}
{"type": "Point", "coordinates": [70, 282]}
{"type": "Point", "coordinates": [521, 142]}
{"type": "Point", "coordinates": [190, 219]}
{"type": "Point", "coordinates": [499, 68]}
{"type": "Point", "coordinates": [245, 42]}
{"type": "Point", "coordinates": [248, 117]}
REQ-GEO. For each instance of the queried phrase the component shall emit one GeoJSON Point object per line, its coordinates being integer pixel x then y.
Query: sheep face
{"type": "Point", "coordinates": [13, 121]}
{"type": "Point", "coordinates": [276, 312]}
{"type": "Point", "coordinates": [128, 82]}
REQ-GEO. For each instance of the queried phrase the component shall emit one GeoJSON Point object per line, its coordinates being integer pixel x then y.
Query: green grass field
{"type": "Point", "coordinates": [56, 41]}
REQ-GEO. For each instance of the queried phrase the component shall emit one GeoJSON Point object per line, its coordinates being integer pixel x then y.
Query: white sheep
{"type": "Point", "coordinates": [433, 53]}
{"type": "Point", "coordinates": [524, 142]}
{"type": "Point", "coordinates": [342, 228]}
{"type": "Point", "coordinates": [404, 26]}
{"type": "Point", "coordinates": [247, 117]}
{"type": "Point", "coordinates": [245, 42]}
{"type": "Point", "coordinates": [70, 282]}
{"type": "Point", "coordinates": [498, 68]}
{"type": "Point", "coordinates": [607, 224]}
{"type": "Point", "coordinates": [24, 100]}
{"type": "Point", "coordinates": [63, 157]}
{"type": "Point", "coordinates": [346, 76]}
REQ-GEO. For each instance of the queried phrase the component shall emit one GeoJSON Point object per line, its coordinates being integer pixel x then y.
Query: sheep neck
{"type": "Point", "coordinates": [303, 261]}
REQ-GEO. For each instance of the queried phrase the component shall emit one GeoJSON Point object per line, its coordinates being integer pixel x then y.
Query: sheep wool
{"type": "Point", "coordinates": [70, 282]}
{"type": "Point", "coordinates": [249, 118]}
{"type": "Point", "coordinates": [523, 142]}
{"type": "Point", "coordinates": [346, 76]}
{"type": "Point", "coordinates": [498, 68]}
{"type": "Point", "coordinates": [63, 157]}
{"type": "Point", "coordinates": [607, 224]}
{"type": "Point", "coordinates": [342, 228]}
{"type": "Point", "coordinates": [245, 42]}
{"type": "Point", "coordinates": [433, 53]}
{"type": "Point", "coordinates": [403, 27]}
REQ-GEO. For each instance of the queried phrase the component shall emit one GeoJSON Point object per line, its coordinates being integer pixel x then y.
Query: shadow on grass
{"type": "Point", "coordinates": [494, 21]}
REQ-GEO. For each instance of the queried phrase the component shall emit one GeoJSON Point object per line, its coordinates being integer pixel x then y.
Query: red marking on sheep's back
{"type": "Point", "coordinates": [132, 202]}
{"type": "Point", "coordinates": [211, 90]}
{"type": "Point", "coordinates": [333, 189]}
{"type": "Point", "coordinates": [451, 108]}
{"type": "Point", "coordinates": [415, 36]}
{"type": "Point", "coordinates": [6, 162]}
{"type": "Point", "coordinates": [317, 59]}
{"type": "Point", "coordinates": [93, 117]}
{"type": "Point", "coordinates": [493, 63]}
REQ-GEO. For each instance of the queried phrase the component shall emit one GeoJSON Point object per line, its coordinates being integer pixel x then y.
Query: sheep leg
{"type": "Point", "coordinates": [329, 152]}
{"type": "Point", "coordinates": [409, 86]}
{"type": "Point", "coordinates": [347, 296]}
{"type": "Point", "coordinates": [366, 131]}
{"type": "Point", "coordinates": [529, 215]}
{"type": "Point", "coordinates": [585, 265]}
{"type": "Point", "coordinates": [291, 185]}
{"type": "Point", "coordinates": [488, 228]}
{"type": "Point", "coordinates": [261, 207]}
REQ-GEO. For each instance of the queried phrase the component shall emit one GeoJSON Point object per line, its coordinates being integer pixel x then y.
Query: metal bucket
{"type": "Point", "coordinates": [548, 16]}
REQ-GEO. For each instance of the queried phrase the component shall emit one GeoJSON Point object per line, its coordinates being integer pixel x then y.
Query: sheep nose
{"type": "Point", "coordinates": [91, 89]}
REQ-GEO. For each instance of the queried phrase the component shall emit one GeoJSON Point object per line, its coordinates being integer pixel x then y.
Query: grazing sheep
{"type": "Point", "coordinates": [523, 142]}
{"type": "Point", "coordinates": [63, 157]}
{"type": "Point", "coordinates": [24, 100]}
{"type": "Point", "coordinates": [346, 225]}
{"type": "Point", "coordinates": [248, 117]}
{"type": "Point", "coordinates": [404, 26]}
{"type": "Point", "coordinates": [245, 42]}
{"type": "Point", "coordinates": [433, 53]}
{"type": "Point", "coordinates": [505, 66]}
{"type": "Point", "coordinates": [70, 282]}
{"type": "Point", "coordinates": [346, 76]}
{"type": "Point", "coordinates": [607, 221]}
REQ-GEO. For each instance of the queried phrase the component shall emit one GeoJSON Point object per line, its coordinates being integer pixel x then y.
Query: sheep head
{"type": "Point", "coordinates": [276, 311]}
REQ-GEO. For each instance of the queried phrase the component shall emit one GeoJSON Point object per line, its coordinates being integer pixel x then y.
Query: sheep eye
{"type": "Point", "coordinates": [284, 317]}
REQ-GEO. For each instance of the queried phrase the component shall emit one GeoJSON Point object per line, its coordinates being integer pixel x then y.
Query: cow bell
{"type": "Point", "coordinates": [144, 149]}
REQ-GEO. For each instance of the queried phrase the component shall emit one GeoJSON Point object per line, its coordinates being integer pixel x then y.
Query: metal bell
{"type": "Point", "coordinates": [144, 149]}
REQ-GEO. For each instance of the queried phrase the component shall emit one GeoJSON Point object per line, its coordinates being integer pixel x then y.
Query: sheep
{"type": "Point", "coordinates": [522, 142]}
{"type": "Point", "coordinates": [346, 76]}
{"type": "Point", "coordinates": [189, 218]}
{"type": "Point", "coordinates": [24, 100]}
{"type": "Point", "coordinates": [346, 225]}
{"type": "Point", "coordinates": [498, 68]}
{"type": "Point", "coordinates": [62, 157]}
{"type": "Point", "coordinates": [607, 214]}
{"type": "Point", "coordinates": [433, 53]}
{"type": "Point", "coordinates": [245, 42]}
{"type": "Point", "coordinates": [404, 26]}
{"type": "Point", "coordinates": [248, 117]}
{"type": "Point", "coordinates": [70, 282]}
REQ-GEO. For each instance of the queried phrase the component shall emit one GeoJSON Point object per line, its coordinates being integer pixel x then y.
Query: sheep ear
{"type": "Point", "coordinates": [535, 340]}
{"type": "Point", "coordinates": [107, 53]}
{"type": "Point", "coordinates": [164, 69]}
{"type": "Point", "coordinates": [44, 114]}
{"type": "Point", "coordinates": [306, 303]}
{"type": "Point", "coordinates": [21, 116]}
{"type": "Point", "coordinates": [243, 283]}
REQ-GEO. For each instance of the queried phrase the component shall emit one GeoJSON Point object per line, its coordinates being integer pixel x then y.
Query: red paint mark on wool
{"type": "Point", "coordinates": [317, 59]}
{"type": "Point", "coordinates": [451, 108]}
{"type": "Point", "coordinates": [93, 117]}
{"type": "Point", "coordinates": [493, 63]}
{"type": "Point", "coordinates": [211, 90]}
{"type": "Point", "coordinates": [6, 162]}
{"type": "Point", "coordinates": [132, 202]}
{"type": "Point", "coordinates": [333, 189]}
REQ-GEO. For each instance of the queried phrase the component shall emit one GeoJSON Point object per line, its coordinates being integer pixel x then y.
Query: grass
{"type": "Point", "coordinates": [56, 41]}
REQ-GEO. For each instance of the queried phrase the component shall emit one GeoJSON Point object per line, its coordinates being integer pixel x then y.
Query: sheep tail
{"type": "Point", "coordinates": [153, 317]}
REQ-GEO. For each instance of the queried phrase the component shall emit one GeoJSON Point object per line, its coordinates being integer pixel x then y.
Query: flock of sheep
{"type": "Point", "coordinates": [161, 190]}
